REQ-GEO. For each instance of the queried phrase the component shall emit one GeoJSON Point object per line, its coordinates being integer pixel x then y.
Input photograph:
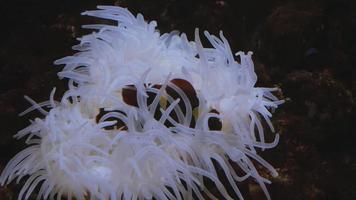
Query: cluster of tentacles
{"type": "Point", "coordinates": [147, 116]}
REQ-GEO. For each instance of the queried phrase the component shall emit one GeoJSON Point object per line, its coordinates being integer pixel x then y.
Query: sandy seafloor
{"type": "Point", "coordinates": [306, 47]}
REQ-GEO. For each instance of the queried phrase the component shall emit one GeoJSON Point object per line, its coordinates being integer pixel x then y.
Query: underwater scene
{"type": "Point", "coordinates": [178, 100]}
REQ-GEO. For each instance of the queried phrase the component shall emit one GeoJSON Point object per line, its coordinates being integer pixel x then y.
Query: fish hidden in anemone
{"type": "Point", "coordinates": [147, 116]}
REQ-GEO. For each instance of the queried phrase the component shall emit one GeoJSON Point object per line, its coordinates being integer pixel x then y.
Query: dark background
{"type": "Point", "coordinates": [306, 47]}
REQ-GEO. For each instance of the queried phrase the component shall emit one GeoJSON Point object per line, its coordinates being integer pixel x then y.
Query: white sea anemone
{"type": "Point", "coordinates": [147, 116]}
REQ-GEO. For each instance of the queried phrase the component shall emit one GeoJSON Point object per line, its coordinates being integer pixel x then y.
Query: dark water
{"type": "Point", "coordinates": [306, 47]}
